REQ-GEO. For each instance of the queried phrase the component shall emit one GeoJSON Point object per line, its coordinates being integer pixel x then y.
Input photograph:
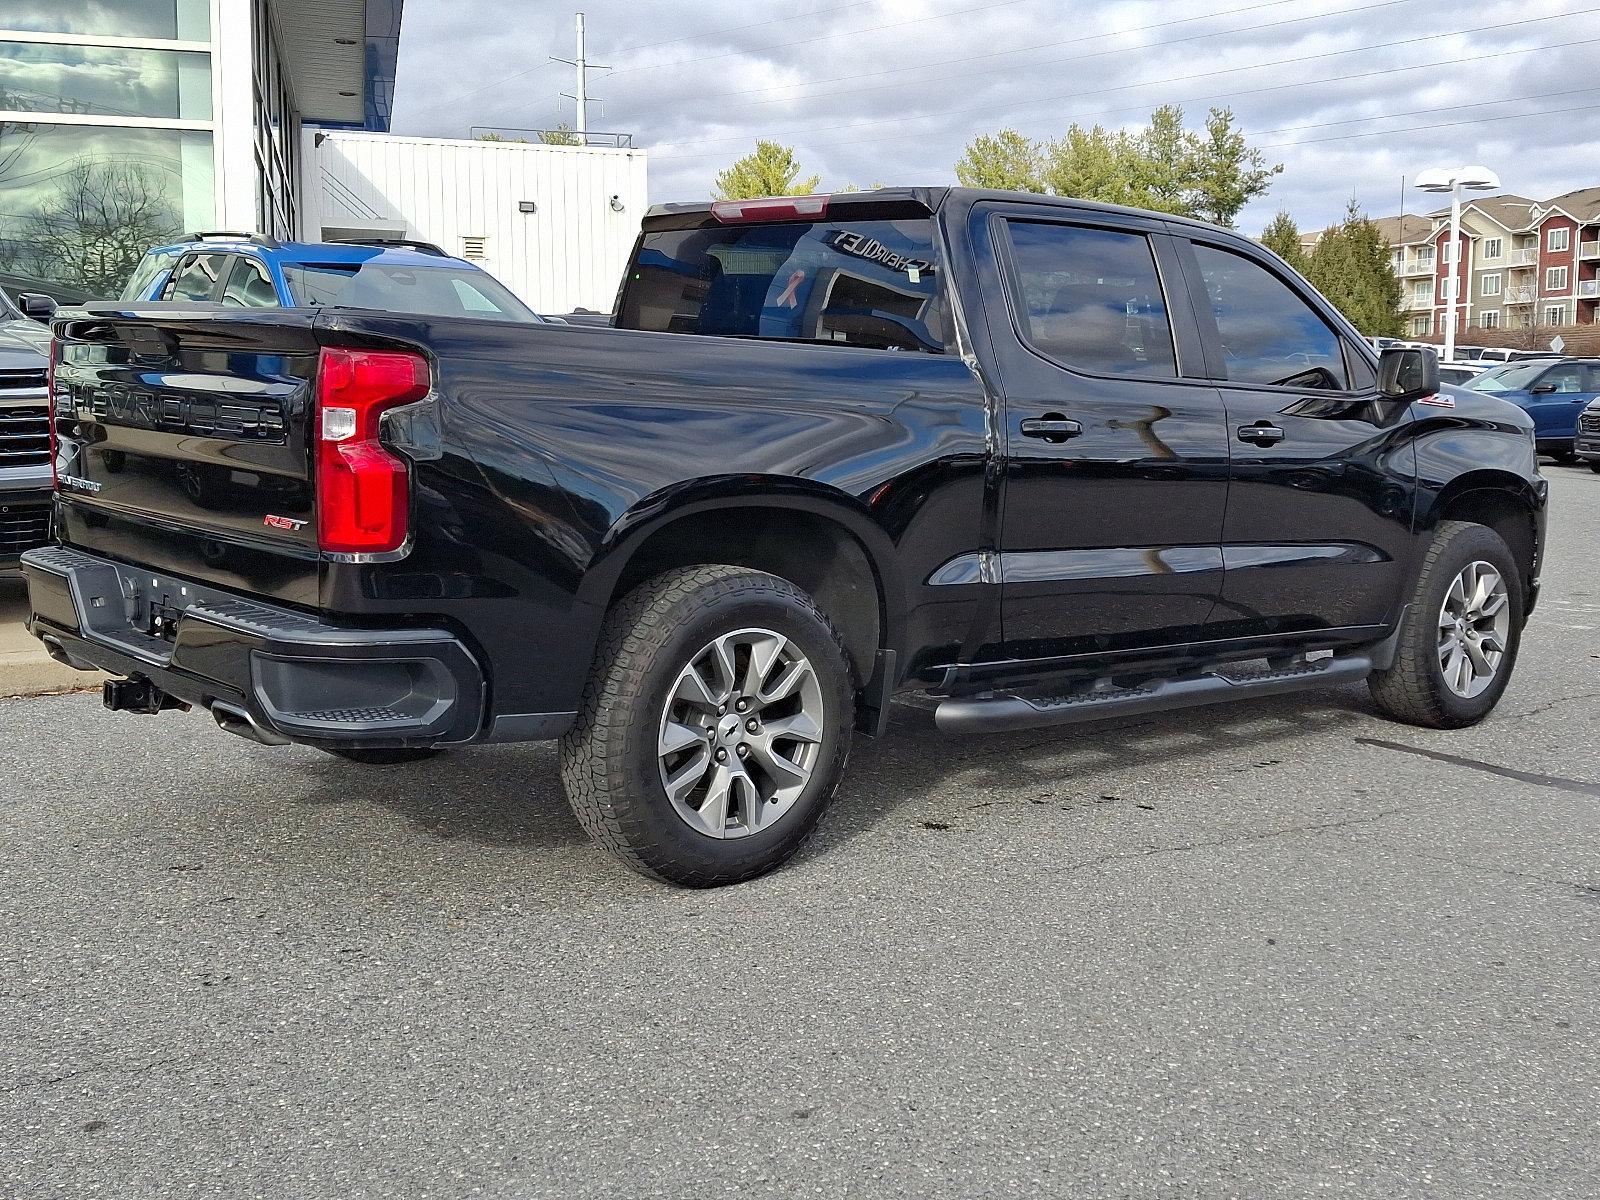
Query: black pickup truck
{"type": "Point", "coordinates": [1043, 460]}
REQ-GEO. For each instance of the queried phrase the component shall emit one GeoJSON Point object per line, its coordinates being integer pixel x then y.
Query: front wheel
{"type": "Point", "coordinates": [1459, 639]}
{"type": "Point", "coordinates": [714, 727]}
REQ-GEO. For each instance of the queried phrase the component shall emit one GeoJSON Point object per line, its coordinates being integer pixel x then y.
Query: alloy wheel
{"type": "Point", "coordinates": [1474, 629]}
{"type": "Point", "coordinates": [741, 733]}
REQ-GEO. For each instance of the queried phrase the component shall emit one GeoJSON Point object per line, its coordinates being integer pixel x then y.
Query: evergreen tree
{"type": "Point", "coordinates": [1226, 174]}
{"type": "Point", "coordinates": [1005, 160]}
{"type": "Point", "coordinates": [1351, 266]}
{"type": "Point", "coordinates": [1282, 237]}
{"type": "Point", "coordinates": [770, 171]}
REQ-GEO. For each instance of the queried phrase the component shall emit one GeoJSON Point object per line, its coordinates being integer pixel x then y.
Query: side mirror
{"type": "Point", "coordinates": [36, 305]}
{"type": "Point", "coordinates": [1405, 373]}
{"type": "Point", "coordinates": [1542, 389]}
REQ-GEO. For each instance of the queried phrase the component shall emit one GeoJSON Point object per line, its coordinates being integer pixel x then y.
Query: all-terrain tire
{"type": "Point", "coordinates": [1414, 690]}
{"type": "Point", "coordinates": [610, 760]}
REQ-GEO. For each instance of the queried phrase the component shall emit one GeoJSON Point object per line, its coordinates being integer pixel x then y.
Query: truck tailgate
{"type": "Point", "coordinates": [183, 440]}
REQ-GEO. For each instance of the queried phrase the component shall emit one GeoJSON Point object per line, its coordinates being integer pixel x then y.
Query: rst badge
{"type": "Point", "coordinates": [273, 521]}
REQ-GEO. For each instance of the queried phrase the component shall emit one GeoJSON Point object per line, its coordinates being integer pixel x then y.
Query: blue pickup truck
{"type": "Point", "coordinates": [244, 270]}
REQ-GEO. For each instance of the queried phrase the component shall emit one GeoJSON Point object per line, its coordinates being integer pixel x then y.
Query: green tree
{"type": "Point", "coordinates": [1226, 174]}
{"type": "Point", "coordinates": [1351, 266]}
{"type": "Point", "coordinates": [1005, 160]}
{"type": "Point", "coordinates": [770, 171]}
{"type": "Point", "coordinates": [1164, 159]}
{"type": "Point", "coordinates": [1282, 237]}
{"type": "Point", "coordinates": [562, 135]}
{"type": "Point", "coordinates": [1163, 166]}
{"type": "Point", "coordinates": [1092, 164]}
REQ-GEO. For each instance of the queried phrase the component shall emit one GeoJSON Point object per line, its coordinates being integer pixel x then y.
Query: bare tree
{"type": "Point", "coordinates": [96, 227]}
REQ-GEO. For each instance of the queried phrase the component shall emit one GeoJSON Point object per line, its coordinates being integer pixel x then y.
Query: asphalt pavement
{"type": "Point", "coordinates": [1279, 949]}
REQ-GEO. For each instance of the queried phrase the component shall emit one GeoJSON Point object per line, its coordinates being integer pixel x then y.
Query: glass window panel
{"type": "Point", "coordinates": [1269, 335]}
{"type": "Point", "coordinates": [101, 81]}
{"type": "Point", "coordinates": [80, 204]}
{"type": "Point", "coordinates": [189, 20]}
{"type": "Point", "coordinates": [1093, 300]}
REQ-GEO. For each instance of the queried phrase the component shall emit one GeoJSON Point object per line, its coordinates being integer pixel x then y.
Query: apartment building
{"type": "Point", "coordinates": [1521, 261]}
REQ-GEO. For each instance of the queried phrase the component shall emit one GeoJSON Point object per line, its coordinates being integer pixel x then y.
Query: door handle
{"type": "Point", "coordinates": [1262, 433]}
{"type": "Point", "coordinates": [1052, 427]}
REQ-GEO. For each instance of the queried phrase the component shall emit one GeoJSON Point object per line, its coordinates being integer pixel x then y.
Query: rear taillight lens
{"type": "Point", "coordinates": [363, 490]}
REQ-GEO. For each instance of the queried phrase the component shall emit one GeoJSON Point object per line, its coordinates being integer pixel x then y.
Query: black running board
{"type": "Point", "coordinates": [1000, 711]}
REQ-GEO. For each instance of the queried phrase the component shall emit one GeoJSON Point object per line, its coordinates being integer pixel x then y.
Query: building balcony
{"type": "Point", "coordinates": [1410, 269]}
{"type": "Point", "coordinates": [1589, 289]}
{"type": "Point", "coordinates": [1415, 303]}
{"type": "Point", "coordinates": [1588, 250]}
{"type": "Point", "coordinates": [1526, 257]}
{"type": "Point", "coordinates": [1521, 295]}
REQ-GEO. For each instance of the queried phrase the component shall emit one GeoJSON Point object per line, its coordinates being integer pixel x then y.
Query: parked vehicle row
{"type": "Point", "coordinates": [250, 271]}
{"type": "Point", "coordinates": [1553, 391]}
{"type": "Point", "coordinates": [1045, 460]}
{"type": "Point", "coordinates": [25, 481]}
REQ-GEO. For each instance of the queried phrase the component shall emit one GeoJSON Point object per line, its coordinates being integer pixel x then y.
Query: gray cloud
{"type": "Point", "coordinates": [1347, 94]}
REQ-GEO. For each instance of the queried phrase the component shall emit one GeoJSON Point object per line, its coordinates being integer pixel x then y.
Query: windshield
{"type": "Point", "coordinates": [387, 287]}
{"type": "Point", "coordinates": [1513, 377]}
{"type": "Point", "coordinates": [151, 265]}
{"type": "Point", "coordinates": [861, 283]}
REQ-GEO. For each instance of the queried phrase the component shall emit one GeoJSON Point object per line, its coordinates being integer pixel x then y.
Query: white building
{"type": "Point", "coordinates": [555, 224]}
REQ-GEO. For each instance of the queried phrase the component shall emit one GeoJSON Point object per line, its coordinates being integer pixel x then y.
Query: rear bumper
{"type": "Point", "coordinates": [268, 672]}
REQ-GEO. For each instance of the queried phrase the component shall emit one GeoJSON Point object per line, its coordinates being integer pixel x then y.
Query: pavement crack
{"type": "Point", "coordinates": [1242, 840]}
{"type": "Point", "coordinates": [91, 1069]}
{"type": "Point", "coordinates": [1577, 786]}
{"type": "Point", "coordinates": [1588, 891]}
{"type": "Point", "coordinates": [1539, 710]}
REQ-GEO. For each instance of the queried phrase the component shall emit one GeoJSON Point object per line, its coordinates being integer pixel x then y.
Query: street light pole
{"type": "Point", "coordinates": [1453, 180]}
{"type": "Point", "coordinates": [1455, 269]}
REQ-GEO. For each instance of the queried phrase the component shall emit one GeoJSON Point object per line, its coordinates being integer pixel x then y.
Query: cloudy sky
{"type": "Point", "coordinates": [1350, 95]}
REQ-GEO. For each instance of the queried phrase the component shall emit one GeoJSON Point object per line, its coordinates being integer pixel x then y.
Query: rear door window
{"type": "Point", "coordinates": [249, 286]}
{"type": "Point", "coordinates": [871, 283]}
{"type": "Point", "coordinates": [196, 277]}
{"type": "Point", "coordinates": [1091, 299]}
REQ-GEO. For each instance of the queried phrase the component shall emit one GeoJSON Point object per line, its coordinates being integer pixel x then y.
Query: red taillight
{"type": "Point", "coordinates": [363, 490]}
{"type": "Point", "coordinates": [776, 208]}
{"type": "Point", "coordinates": [50, 409]}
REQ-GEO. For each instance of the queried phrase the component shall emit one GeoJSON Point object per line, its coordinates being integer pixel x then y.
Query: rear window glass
{"type": "Point", "coordinates": [860, 283]}
{"type": "Point", "coordinates": [389, 287]}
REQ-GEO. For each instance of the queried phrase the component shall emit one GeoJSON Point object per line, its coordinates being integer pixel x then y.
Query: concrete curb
{"type": "Point", "coordinates": [35, 673]}
{"type": "Point", "coordinates": [25, 669]}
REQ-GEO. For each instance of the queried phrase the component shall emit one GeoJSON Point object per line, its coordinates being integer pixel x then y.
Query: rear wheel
{"type": "Point", "coordinates": [1458, 642]}
{"type": "Point", "coordinates": [714, 727]}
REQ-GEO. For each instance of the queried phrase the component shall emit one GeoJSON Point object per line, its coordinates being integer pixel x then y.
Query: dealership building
{"type": "Point", "coordinates": [124, 123]}
{"type": "Point", "coordinates": [127, 123]}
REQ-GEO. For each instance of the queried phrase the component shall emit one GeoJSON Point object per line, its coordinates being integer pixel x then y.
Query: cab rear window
{"type": "Point", "coordinates": [860, 283]}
